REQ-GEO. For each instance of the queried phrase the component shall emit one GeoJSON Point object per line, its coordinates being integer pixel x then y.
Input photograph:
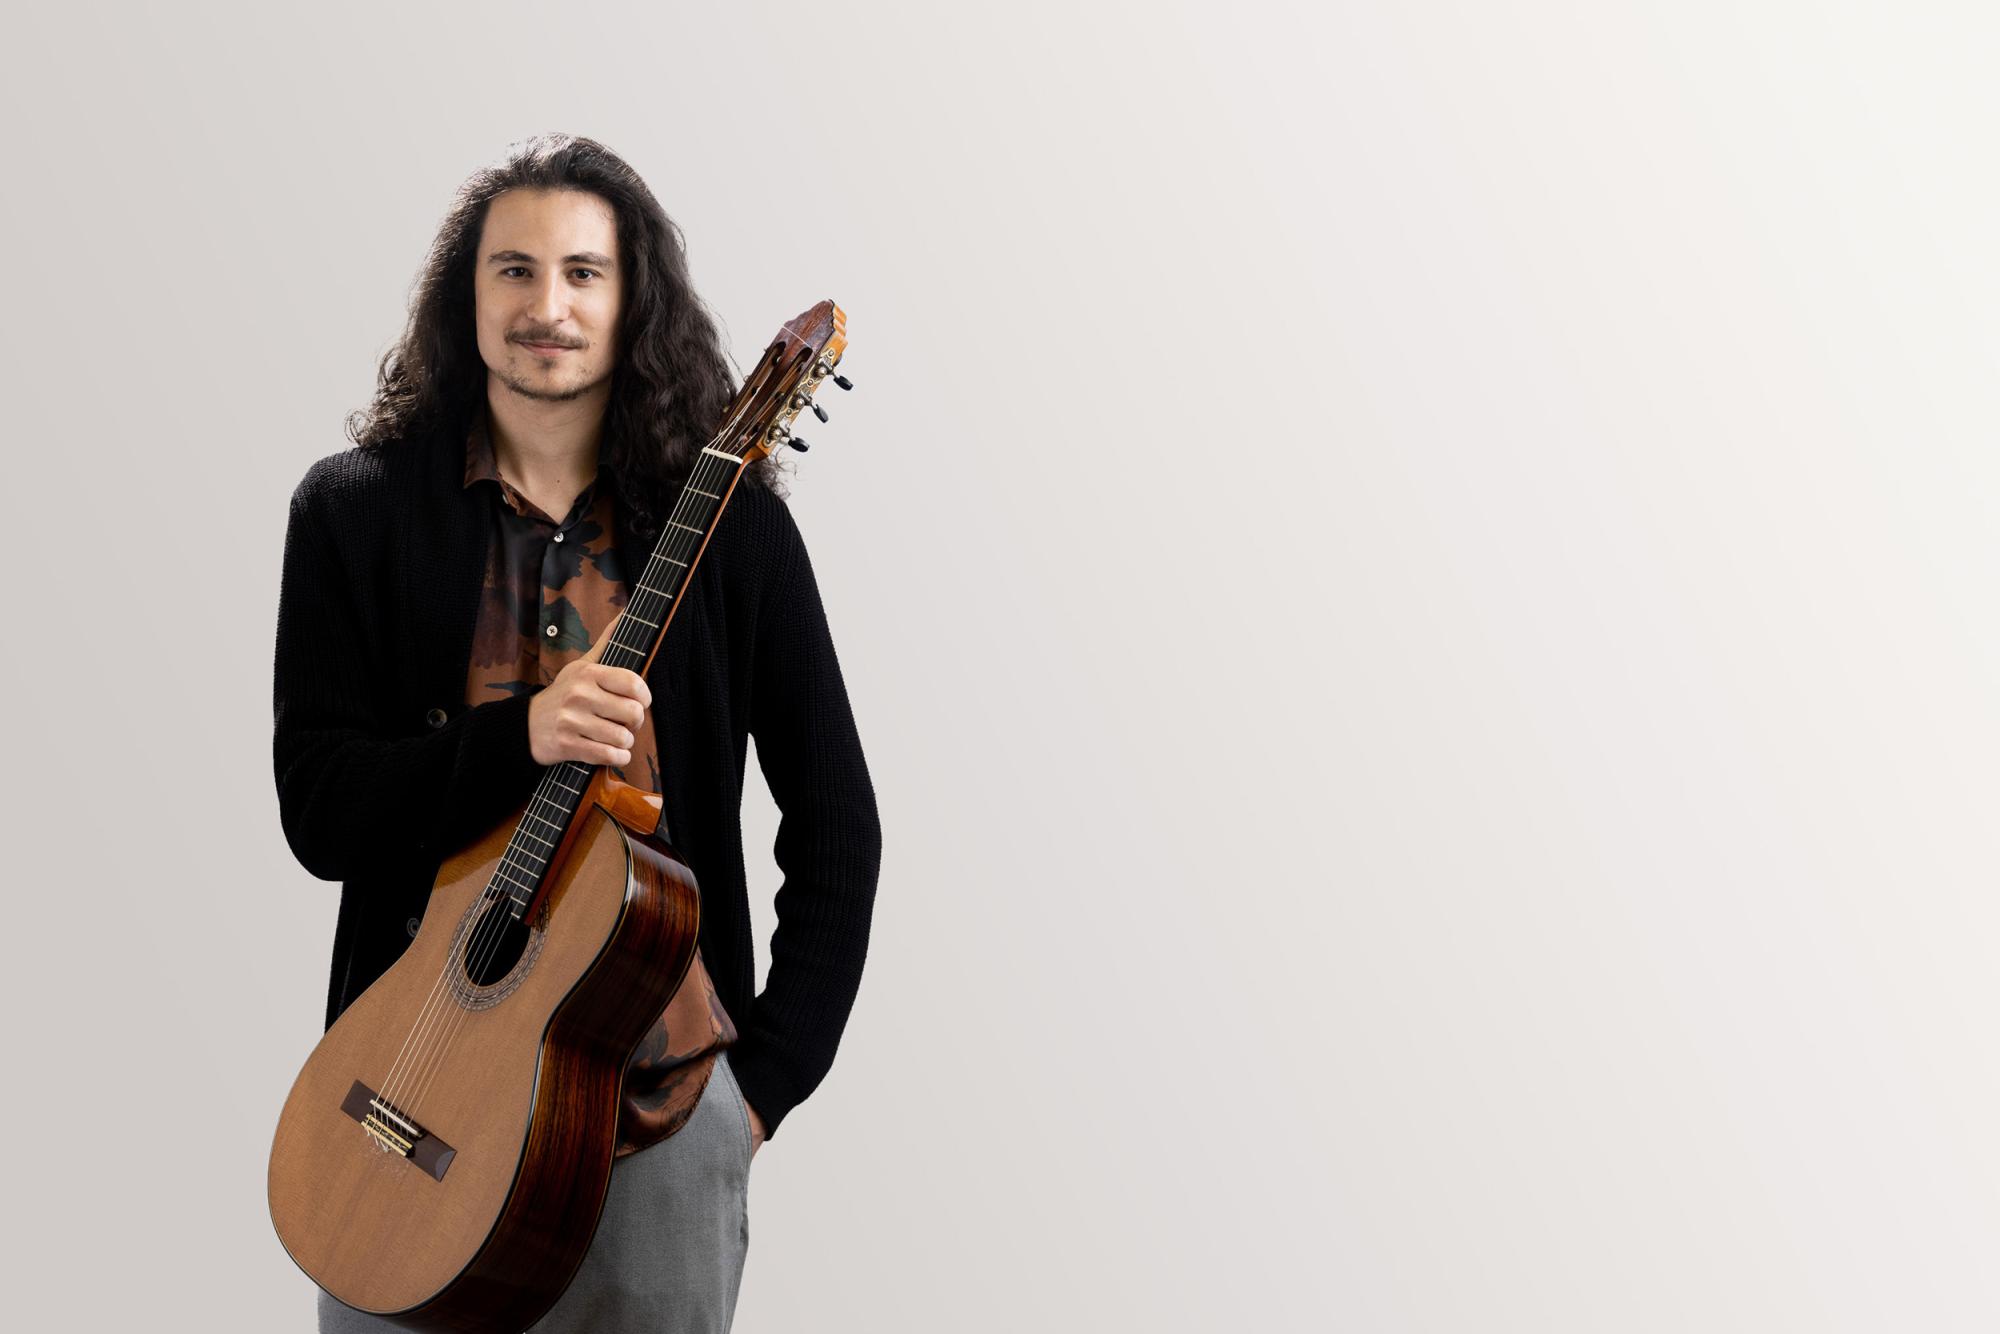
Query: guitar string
{"type": "Point", "coordinates": [583, 771]}
{"type": "Point", "coordinates": [482, 937]}
{"type": "Point", "coordinates": [455, 1014]}
{"type": "Point", "coordinates": [644, 589]}
{"type": "Point", "coordinates": [479, 942]}
{"type": "Point", "coordinates": [482, 941]}
{"type": "Point", "coordinates": [398, 1072]}
{"type": "Point", "coordinates": [421, 1030]}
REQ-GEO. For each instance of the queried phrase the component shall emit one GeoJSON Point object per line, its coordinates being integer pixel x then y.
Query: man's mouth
{"type": "Point", "coordinates": [547, 349]}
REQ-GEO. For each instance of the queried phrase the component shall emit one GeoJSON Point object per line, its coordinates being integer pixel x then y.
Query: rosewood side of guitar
{"type": "Point", "coordinates": [525, 1093]}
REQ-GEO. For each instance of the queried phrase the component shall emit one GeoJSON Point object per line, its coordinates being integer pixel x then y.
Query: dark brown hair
{"type": "Point", "coordinates": [671, 383]}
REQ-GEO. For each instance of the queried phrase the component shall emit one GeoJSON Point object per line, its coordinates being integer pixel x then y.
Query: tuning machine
{"type": "Point", "coordinates": [825, 368]}
{"type": "Point", "coordinates": [779, 435]}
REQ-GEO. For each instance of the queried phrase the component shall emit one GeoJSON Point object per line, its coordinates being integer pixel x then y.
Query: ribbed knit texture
{"type": "Point", "coordinates": [384, 555]}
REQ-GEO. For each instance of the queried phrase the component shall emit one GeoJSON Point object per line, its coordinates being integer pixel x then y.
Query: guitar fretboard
{"type": "Point", "coordinates": [648, 610]}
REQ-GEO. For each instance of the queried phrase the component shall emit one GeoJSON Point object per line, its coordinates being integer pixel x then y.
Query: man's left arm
{"type": "Point", "coordinates": [828, 849]}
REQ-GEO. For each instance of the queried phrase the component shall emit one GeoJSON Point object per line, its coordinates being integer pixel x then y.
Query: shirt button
{"type": "Point", "coordinates": [436, 718]}
{"type": "Point", "coordinates": [558, 537]}
{"type": "Point", "coordinates": [551, 632]}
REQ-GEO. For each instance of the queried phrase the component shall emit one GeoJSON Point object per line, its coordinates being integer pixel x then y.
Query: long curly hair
{"type": "Point", "coordinates": [671, 383]}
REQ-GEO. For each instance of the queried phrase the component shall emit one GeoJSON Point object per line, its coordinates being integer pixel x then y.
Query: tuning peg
{"type": "Point", "coordinates": [818, 411]}
{"type": "Point", "coordinates": [842, 380]}
{"type": "Point", "coordinates": [797, 442]}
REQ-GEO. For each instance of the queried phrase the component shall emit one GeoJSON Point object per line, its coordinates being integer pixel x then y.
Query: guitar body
{"type": "Point", "coordinates": [482, 1224]}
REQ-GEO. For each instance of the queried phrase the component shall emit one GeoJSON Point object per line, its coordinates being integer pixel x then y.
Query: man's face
{"type": "Point", "coordinates": [548, 273]}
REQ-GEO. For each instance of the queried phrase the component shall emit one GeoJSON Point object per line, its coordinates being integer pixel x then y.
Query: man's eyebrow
{"type": "Point", "coordinates": [523, 257]}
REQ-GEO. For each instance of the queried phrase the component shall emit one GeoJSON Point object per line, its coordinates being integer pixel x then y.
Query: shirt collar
{"type": "Point", "coordinates": [480, 464]}
{"type": "Point", "coordinates": [479, 452]}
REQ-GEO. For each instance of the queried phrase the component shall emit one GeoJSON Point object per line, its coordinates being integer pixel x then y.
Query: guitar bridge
{"type": "Point", "coordinates": [397, 1133]}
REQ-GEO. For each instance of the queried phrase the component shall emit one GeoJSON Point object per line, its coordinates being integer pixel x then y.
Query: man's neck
{"type": "Point", "coordinates": [547, 451]}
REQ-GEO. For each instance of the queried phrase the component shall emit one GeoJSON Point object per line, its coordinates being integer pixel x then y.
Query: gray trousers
{"type": "Point", "coordinates": [668, 1254]}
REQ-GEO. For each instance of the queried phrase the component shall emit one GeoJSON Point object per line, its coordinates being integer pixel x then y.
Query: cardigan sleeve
{"type": "Point", "coordinates": [353, 797]}
{"type": "Point", "coordinates": [828, 848]}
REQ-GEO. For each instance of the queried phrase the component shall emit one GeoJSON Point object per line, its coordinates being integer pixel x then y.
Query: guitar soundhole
{"type": "Point", "coordinates": [496, 945]}
{"type": "Point", "coordinates": [494, 953]}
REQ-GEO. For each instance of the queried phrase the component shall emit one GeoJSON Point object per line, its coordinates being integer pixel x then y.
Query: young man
{"type": "Point", "coordinates": [448, 586]}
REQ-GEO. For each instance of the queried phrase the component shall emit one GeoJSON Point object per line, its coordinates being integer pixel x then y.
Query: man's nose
{"type": "Point", "coordinates": [550, 302]}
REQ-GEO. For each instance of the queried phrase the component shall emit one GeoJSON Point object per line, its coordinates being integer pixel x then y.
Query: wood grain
{"type": "Point", "coordinates": [526, 1090]}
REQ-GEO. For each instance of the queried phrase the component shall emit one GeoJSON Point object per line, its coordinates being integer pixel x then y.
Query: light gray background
{"type": "Point", "coordinates": [1417, 581]}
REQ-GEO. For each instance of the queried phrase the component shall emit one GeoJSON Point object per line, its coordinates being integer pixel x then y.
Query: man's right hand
{"type": "Point", "coordinates": [590, 713]}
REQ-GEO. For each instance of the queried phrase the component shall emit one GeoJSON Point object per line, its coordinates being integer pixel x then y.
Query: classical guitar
{"type": "Point", "coordinates": [444, 1155]}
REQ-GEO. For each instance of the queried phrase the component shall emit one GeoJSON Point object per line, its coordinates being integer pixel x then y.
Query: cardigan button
{"type": "Point", "coordinates": [436, 717]}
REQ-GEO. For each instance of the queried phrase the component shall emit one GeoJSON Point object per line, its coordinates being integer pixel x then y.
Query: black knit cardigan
{"type": "Point", "coordinates": [383, 770]}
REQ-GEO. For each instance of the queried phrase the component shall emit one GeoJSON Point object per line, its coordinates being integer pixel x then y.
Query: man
{"type": "Point", "coordinates": [448, 587]}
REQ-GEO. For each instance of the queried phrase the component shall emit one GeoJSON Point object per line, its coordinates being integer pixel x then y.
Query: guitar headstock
{"type": "Point", "coordinates": [782, 384]}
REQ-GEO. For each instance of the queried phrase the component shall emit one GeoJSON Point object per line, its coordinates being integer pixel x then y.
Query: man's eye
{"type": "Point", "coordinates": [516, 268]}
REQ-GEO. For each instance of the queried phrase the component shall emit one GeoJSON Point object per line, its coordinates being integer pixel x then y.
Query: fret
{"type": "Point", "coordinates": [678, 524]}
{"type": "Point", "coordinates": [698, 491]}
{"type": "Point", "coordinates": [510, 880]}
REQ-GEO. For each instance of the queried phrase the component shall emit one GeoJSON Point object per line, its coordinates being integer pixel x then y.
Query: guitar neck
{"type": "Point", "coordinates": [650, 608]}
{"type": "Point", "coordinates": [758, 418]}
